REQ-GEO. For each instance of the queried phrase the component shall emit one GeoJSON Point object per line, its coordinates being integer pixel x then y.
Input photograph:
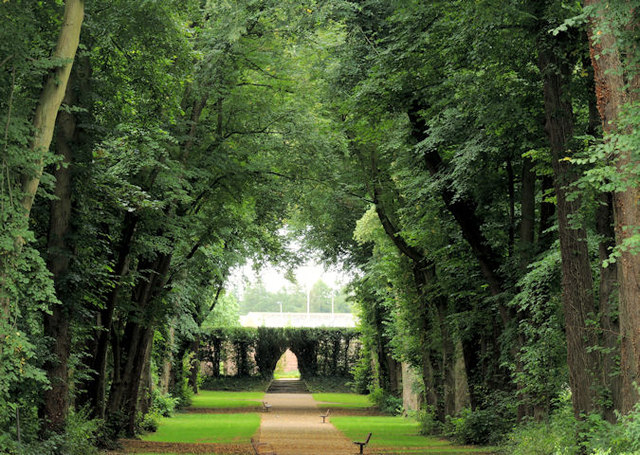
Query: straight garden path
{"type": "Point", "coordinates": [294, 427]}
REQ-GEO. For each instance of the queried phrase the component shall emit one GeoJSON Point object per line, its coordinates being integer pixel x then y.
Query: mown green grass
{"type": "Point", "coordinates": [215, 428]}
{"type": "Point", "coordinates": [398, 433]}
{"type": "Point", "coordinates": [219, 399]}
{"type": "Point", "coordinates": [342, 400]}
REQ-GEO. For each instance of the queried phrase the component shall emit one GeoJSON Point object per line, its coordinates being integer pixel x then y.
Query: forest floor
{"type": "Point", "coordinates": [294, 427]}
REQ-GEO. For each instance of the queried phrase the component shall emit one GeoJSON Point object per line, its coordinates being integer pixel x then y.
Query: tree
{"type": "Point", "coordinates": [617, 84]}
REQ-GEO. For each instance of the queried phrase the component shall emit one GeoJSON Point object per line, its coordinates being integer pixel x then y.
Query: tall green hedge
{"type": "Point", "coordinates": [320, 351]}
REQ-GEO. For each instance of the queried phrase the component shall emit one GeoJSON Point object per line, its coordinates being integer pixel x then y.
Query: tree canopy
{"type": "Point", "coordinates": [473, 163]}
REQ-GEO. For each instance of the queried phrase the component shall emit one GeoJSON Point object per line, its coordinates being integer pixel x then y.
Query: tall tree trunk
{"type": "Point", "coordinates": [448, 360]}
{"type": "Point", "coordinates": [617, 85]}
{"type": "Point", "coordinates": [577, 281]}
{"type": "Point", "coordinates": [165, 375]}
{"type": "Point", "coordinates": [51, 97]}
{"type": "Point", "coordinates": [136, 341]}
{"type": "Point", "coordinates": [194, 366]}
{"type": "Point", "coordinates": [607, 306]}
{"type": "Point", "coordinates": [56, 325]}
{"type": "Point", "coordinates": [547, 210]}
{"type": "Point", "coordinates": [96, 386]}
{"type": "Point", "coordinates": [44, 119]}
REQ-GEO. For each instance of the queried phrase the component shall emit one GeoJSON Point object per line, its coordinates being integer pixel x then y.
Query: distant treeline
{"type": "Point", "coordinates": [294, 299]}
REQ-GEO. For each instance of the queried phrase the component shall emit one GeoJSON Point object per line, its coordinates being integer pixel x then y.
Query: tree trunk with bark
{"type": "Point", "coordinates": [577, 280]}
{"type": "Point", "coordinates": [95, 388]}
{"type": "Point", "coordinates": [135, 345]}
{"type": "Point", "coordinates": [51, 97]}
{"type": "Point", "coordinates": [617, 84]}
{"type": "Point", "coordinates": [44, 120]}
{"type": "Point", "coordinates": [57, 325]}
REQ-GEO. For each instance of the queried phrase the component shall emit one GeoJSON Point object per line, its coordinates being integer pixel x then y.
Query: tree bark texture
{"type": "Point", "coordinates": [577, 280]}
{"type": "Point", "coordinates": [136, 341]}
{"type": "Point", "coordinates": [44, 121]}
{"type": "Point", "coordinates": [55, 407]}
{"type": "Point", "coordinates": [51, 97]}
{"type": "Point", "coordinates": [617, 85]}
{"type": "Point", "coordinates": [607, 306]}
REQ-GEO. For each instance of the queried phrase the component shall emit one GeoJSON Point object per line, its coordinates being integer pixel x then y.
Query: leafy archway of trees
{"type": "Point", "coordinates": [473, 162]}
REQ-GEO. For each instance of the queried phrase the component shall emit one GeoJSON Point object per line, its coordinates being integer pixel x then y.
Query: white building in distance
{"type": "Point", "coordinates": [254, 319]}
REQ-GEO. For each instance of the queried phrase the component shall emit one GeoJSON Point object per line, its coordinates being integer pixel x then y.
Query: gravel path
{"type": "Point", "coordinates": [294, 427]}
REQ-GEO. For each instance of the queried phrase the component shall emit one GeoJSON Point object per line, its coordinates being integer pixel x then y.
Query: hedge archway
{"type": "Point", "coordinates": [320, 351]}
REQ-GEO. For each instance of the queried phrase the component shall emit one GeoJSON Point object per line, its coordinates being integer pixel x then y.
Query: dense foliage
{"type": "Point", "coordinates": [474, 163]}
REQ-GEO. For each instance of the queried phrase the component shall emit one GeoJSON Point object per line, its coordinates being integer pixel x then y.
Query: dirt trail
{"type": "Point", "coordinates": [294, 427]}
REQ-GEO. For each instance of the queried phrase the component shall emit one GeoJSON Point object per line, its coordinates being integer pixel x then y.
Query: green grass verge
{"type": "Point", "coordinates": [342, 400]}
{"type": "Point", "coordinates": [397, 432]}
{"type": "Point", "coordinates": [202, 428]}
{"type": "Point", "coordinates": [219, 399]}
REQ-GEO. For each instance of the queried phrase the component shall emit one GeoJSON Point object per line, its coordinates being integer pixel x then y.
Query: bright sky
{"type": "Point", "coordinates": [306, 275]}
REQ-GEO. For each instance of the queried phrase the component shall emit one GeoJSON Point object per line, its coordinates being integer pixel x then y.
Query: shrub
{"type": "Point", "coordinates": [613, 439]}
{"type": "Point", "coordinates": [429, 424]}
{"type": "Point", "coordinates": [149, 422]}
{"type": "Point", "coordinates": [386, 402]}
{"type": "Point", "coordinates": [557, 436]}
{"type": "Point", "coordinates": [480, 426]}
{"type": "Point", "coordinates": [163, 405]}
{"type": "Point", "coordinates": [80, 437]}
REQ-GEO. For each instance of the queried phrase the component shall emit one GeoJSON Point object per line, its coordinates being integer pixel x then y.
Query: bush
{"type": "Point", "coordinates": [619, 439]}
{"type": "Point", "coordinates": [558, 435]}
{"type": "Point", "coordinates": [150, 422]}
{"type": "Point", "coordinates": [481, 426]}
{"type": "Point", "coordinates": [386, 402]}
{"type": "Point", "coordinates": [429, 424]}
{"type": "Point", "coordinates": [163, 405]}
{"type": "Point", "coordinates": [79, 438]}
{"type": "Point", "coordinates": [362, 374]}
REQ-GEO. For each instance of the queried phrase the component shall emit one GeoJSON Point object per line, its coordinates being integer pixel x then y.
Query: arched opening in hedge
{"type": "Point", "coordinates": [287, 366]}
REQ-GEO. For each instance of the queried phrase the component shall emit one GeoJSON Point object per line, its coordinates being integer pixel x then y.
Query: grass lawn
{"type": "Point", "coordinates": [397, 432]}
{"type": "Point", "coordinates": [216, 399]}
{"type": "Point", "coordinates": [342, 400]}
{"type": "Point", "coordinates": [217, 428]}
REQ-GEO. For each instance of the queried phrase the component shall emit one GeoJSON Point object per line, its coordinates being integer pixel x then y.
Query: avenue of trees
{"type": "Point", "coordinates": [474, 162]}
